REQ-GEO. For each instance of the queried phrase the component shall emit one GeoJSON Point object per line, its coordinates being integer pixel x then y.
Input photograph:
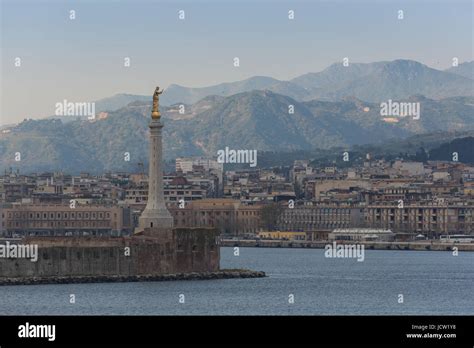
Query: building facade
{"type": "Point", "coordinates": [230, 217]}
{"type": "Point", "coordinates": [320, 217]}
{"type": "Point", "coordinates": [57, 220]}
{"type": "Point", "coordinates": [431, 219]}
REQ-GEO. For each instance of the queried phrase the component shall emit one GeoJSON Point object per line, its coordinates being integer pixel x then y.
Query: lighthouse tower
{"type": "Point", "coordinates": [155, 215]}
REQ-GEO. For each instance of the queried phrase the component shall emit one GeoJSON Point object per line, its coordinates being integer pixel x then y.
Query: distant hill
{"type": "Point", "coordinates": [250, 120]}
{"type": "Point", "coordinates": [464, 147]}
{"type": "Point", "coordinates": [106, 104]}
{"type": "Point", "coordinates": [380, 81]}
{"type": "Point", "coordinates": [371, 82]}
{"type": "Point", "coordinates": [118, 101]}
{"type": "Point", "coordinates": [324, 84]}
{"type": "Point", "coordinates": [392, 149]}
{"type": "Point", "coordinates": [464, 69]}
{"type": "Point", "coordinates": [179, 94]}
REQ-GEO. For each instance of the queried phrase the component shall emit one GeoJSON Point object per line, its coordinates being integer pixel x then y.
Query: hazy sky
{"type": "Point", "coordinates": [82, 59]}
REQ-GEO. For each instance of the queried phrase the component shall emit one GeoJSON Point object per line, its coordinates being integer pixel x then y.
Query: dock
{"type": "Point", "coordinates": [413, 245]}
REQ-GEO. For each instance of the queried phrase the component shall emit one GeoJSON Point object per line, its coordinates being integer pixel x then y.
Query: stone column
{"type": "Point", "coordinates": [155, 215]}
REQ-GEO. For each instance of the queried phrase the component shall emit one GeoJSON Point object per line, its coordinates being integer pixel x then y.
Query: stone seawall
{"type": "Point", "coordinates": [183, 250]}
{"type": "Point", "coordinates": [417, 246]}
{"type": "Point", "coordinates": [223, 274]}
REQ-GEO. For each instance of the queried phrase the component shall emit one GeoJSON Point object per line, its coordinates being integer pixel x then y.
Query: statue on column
{"type": "Point", "coordinates": [155, 113]}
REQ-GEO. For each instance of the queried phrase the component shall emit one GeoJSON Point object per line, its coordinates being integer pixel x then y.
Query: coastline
{"type": "Point", "coordinates": [222, 274]}
{"type": "Point", "coordinates": [413, 246]}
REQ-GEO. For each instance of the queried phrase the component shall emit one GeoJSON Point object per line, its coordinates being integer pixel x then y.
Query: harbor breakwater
{"type": "Point", "coordinates": [416, 246]}
{"type": "Point", "coordinates": [222, 274]}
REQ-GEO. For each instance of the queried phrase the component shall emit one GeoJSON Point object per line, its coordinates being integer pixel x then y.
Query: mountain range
{"type": "Point", "coordinates": [372, 82]}
{"type": "Point", "coordinates": [338, 107]}
{"type": "Point", "coordinates": [250, 120]}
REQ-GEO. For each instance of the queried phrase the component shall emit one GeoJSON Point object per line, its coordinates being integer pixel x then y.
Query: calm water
{"type": "Point", "coordinates": [431, 283]}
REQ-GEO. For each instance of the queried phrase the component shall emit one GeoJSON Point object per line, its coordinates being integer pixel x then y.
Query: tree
{"type": "Point", "coordinates": [270, 214]}
{"type": "Point", "coordinates": [421, 155]}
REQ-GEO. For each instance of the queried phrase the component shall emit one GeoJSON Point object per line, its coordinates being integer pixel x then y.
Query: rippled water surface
{"type": "Point", "coordinates": [431, 283]}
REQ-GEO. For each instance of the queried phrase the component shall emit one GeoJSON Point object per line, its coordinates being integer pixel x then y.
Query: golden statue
{"type": "Point", "coordinates": [155, 113]}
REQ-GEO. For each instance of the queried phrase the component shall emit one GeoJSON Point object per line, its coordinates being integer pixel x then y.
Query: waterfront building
{"type": "Point", "coordinates": [62, 220]}
{"type": "Point", "coordinates": [320, 217]}
{"type": "Point", "coordinates": [282, 235]}
{"type": "Point", "coordinates": [361, 235]}
{"type": "Point", "coordinates": [431, 218]}
{"type": "Point", "coordinates": [230, 217]}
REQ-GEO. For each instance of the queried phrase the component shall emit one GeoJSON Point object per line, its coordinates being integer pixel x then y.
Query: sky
{"type": "Point", "coordinates": [82, 59]}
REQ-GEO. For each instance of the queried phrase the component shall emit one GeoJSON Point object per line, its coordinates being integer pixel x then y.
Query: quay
{"type": "Point", "coordinates": [416, 245]}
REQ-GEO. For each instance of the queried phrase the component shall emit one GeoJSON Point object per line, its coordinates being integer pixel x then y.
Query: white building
{"type": "Point", "coordinates": [409, 168]}
{"type": "Point", "coordinates": [361, 234]}
{"type": "Point", "coordinates": [185, 164]}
